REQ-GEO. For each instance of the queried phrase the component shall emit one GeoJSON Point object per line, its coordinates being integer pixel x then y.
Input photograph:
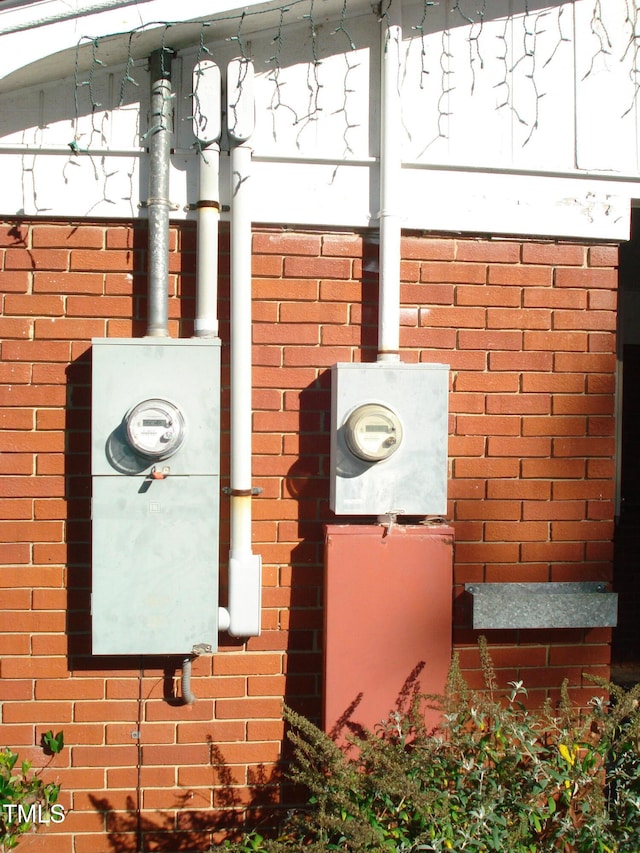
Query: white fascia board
{"type": "Point", "coordinates": [41, 39]}
{"type": "Point", "coordinates": [571, 206]}
{"type": "Point", "coordinates": [330, 194]}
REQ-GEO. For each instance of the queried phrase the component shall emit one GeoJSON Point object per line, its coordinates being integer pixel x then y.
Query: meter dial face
{"type": "Point", "coordinates": [155, 428]}
{"type": "Point", "coordinates": [373, 432]}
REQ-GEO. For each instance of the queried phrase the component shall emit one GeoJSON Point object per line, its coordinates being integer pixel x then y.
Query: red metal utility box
{"type": "Point", "coordinates": [388, 619]}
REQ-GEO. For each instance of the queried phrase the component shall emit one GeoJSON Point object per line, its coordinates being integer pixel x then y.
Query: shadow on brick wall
{"type": "Point", "coordinates": [183, 826]}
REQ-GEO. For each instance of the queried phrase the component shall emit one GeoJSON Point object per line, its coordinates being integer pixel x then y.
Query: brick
{"type": "Point", "coordinates": [553, 253]}
{"type": "Point", "coordinates": [15, 328]}
{"type": "Point", "coordinates": [409, 271]}
{"type": "Point", "coordinates": [583, 490]}
{"type": "Point", "coordinates": [487, 296]}
{"type": "Point", "coordinates": [547, 297]}
{"type": "Point", "coordinates": [16, 463]}
{"type": "Point", "coordinates": [266, 265]}
{"type": "Point", "coordinates": [520, 276]}
{"type": "Point", "coordinates": [65, 329]}
{"type": "Point", "coordinates": [528, 490]}
{"type": "Point", "coordinates": [98, 756]}
{"type": "Point", "coordinates": [581, 530]}
{"type": "Point", "coordinates": [522, 531]}
{"type": "Point", "coordinates": [291, 312]}
{"type": "Point", "coordinates": [510, 404]}
{"type": "Point", "coordinates": [467, 403]}
{"type": "Point", "coordinates": [588, 446]}
{"type": "Point", "coordinates": [31, 531]}
{"type": "Point", "coordinates": [603, 256]}
{"type": "Point", "coordinates": [437, 339]}
{"type": "Point", "coordinates": [98, 306]}
{"type": "Point", "coordinates": [476, 468]}
{"type": "Point", "coordinates": [552, 551]}
{"type": "Point", "coordinates": [554, 510]}
{"type": "Point", "coordinates": [585, 362]}
{"type": "Point", "coordinates": [602, 342]}
{"type": "Point", "coordinates": [487, 552]}
{"type": "Point", "coordinates": [536, 361]}
{"type": "Point", "coordinates": [46, 259]}
{"type": "Point", "coordinates": [35, 351]}
{"type": "Point", "coordinates": [289, 243]}
{"type": "Point", "coordinates": [86, 260]}
{"type": "Point", "coordinates": [33, 305]}
{"type": "Point", "coordinates": [519, 446]}
{"type": "Point", "coordinates": [323, 267]}
{"type": "Point", "coordinates": [585, 404]}
{"type": "Point", "coordinates": [34, 667]}
{"type": "Point", "coordinates": [586, 278]}
{"type": "Point", "coordinates": [596, 320]}
{"type": "Point", "coordinates": [487, 382]}
{"type": "Point", "coordinates": [523, 318]}
{"type": "Point", "coordinates": [485, 250]}
{"type": "Point", "coordinates": [557, 341]}
{"type": "Point", "coordinates": [485, 510]}
{"type": "Point", "coordinates": [554, 425]}
{"type": "Point", "coordinates": [427, 248]}
{"type": "Point", "coordinates": [15, 281]}
{"type": "Point", "coordinates": [553, 383]}
{"type": "Point", "coordinates": [603, 300]}
{"type": "Point", "coordinates": [552, 469]}
{"type": "Point", "coordinates": [454, 317]}
{"type": "Point", "coordinates": [454, 273]}
{"type": "Point", "coordinates": [342, 245]}
{"type": "Point", "coordinates": [42, 713]}
{"type": "Point", "coordinates": [285, 333]}
{"type": "Point", "coordinates": [490, 340]}
{"type": "Point", "coordinates": [68, 236]}
{"type": "Point", "coordinates": [488, 425]}
{"type": "Point", "coordinates": [67, 282]}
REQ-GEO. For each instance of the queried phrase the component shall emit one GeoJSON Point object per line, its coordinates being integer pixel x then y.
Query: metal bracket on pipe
{"type": "Point", "coordinates": [242, 493]}
{"type": "Point", "coordinates": [170, 204]}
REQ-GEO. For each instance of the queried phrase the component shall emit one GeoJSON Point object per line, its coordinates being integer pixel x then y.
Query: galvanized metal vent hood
{"type": "Point", "coordinates": [543, 605]}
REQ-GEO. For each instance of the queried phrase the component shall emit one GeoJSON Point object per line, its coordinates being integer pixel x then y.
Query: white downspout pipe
{"type": "Point", "coordinates": [245, 568]}
{"type": "Point", "coordinates": [390, 181]}
{"type": "Point", "coordinates": [207, 127]}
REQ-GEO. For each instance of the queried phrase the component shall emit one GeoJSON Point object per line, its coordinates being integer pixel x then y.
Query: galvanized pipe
{"type": "Point", "coordinates": [158, 204]}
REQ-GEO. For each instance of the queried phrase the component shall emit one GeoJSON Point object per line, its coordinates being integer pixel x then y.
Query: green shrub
{"type": "Point", "coordinates": [25, 800]}
{"type": "Point", "coordinates": [493, 776]}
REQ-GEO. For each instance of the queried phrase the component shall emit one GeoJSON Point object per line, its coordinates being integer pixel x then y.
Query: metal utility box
{"type": "Point", "coordinates": [388, 620]}
{"type": "Point", "coordinates": [389, 433]}
{"type": "Point", "coordinates": [155, 499]}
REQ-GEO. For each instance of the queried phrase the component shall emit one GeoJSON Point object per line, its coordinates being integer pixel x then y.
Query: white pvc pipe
{"type": "Point", "coordinates": [245, 568]}
{"type": "Point", "coordinates": [241, 410]}
{"type": "Point", "coordinates": [390, 185]}
{"type": "Point", "coordinates": [208, 216]}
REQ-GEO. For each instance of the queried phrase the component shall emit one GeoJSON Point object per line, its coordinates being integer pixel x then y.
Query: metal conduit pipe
{"type": "Point", "coordinates": [188, 696]}
{"type": "Point", "coordinates": [390, 183]}
{"type": "Point", "coordinates": [158, 204]}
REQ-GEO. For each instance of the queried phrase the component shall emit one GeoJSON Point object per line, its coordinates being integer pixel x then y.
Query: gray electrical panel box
{"type": "Point", "coordinates": [155, 495]}
{"type": "Point", "coordinates": [389, 434]}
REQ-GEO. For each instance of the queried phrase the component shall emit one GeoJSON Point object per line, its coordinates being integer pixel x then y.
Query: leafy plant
{"type": "Point", "coordinates": [25, 800]}
{"type": "Point", "coordinates": [493, 776]}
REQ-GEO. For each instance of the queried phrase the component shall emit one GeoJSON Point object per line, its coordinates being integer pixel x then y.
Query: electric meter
{"type": "Point", "coordinates": [373, 432]}
{"type": "Point", "coordinates": [155, 428]}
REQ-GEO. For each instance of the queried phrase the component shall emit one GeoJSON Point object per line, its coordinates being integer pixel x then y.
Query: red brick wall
{"type": "Point", "coordinates": [528, 329]}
